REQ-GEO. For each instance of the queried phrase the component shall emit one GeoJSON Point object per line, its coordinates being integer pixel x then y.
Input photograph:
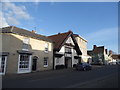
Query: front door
{"type": "Point", "coordinates": [68, 62]}
{"type": "Point", "coordinates": [34, 65]}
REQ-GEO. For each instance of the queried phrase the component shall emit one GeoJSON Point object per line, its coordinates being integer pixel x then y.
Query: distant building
{"type": "Point", "coordinates": [116, 58]}
{"type": "Point", "coordinates": [99, 55]}
{"type": "Point", "coordinates": [24, 51]}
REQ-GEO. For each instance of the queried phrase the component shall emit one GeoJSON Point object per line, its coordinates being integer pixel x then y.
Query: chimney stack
{"type": "Point", "coordinates": [110, 52]}
{"type": "Point", "coordinates": [94, 46]}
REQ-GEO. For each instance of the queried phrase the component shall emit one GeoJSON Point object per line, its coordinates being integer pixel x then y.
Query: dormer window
{"type": "Point", "coordinates": [25, 44]}
{"type": "Point", "coordinates": [46, 47]}
{"type": "Point", "coordinates": [68, 50]}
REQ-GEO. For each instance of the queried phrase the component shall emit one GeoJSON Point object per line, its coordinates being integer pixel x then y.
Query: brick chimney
{"type": "Point", "coordinates": [94, 46]}
{"type": "Point", "coordinates": [110, 52]}
{"type": "Point", "coordinates": [33, 31]}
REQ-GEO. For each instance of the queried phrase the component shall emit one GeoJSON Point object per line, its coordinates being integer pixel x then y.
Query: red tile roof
{"type": "Point", "coordinates": [116, 56]}
{"type": "Point", "coordinates": [59, 38]}
{"type": "Point", "coordinates": [99, 49]}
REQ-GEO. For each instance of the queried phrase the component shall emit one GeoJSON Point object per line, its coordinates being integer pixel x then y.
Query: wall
{"type": "Point", "coordinates": [60, 61]}
{"type": "Point", "coordinates": [83, 47]}
{"type": "Point", "coordinates": [13, 42]}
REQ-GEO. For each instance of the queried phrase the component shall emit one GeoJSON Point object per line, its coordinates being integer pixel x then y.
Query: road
{"type": "Point", "coordinates": [98, 77]}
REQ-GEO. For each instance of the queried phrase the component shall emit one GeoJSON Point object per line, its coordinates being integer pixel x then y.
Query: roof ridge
{"type": "Point", "coordinates": [59, 34]}
{"type": "Point", "coordinates": [30, 31]}
{"type": "Point", "coordinates": [22, 31]}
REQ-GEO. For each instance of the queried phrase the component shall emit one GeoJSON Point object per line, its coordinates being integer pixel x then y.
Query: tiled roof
{"type": "Point", "coordinates": [116, 56]}
{"type": "Point", "coordinates": [60, 38]}
{"type": "Point", "coordinates": [23, 32]}
{"type": "Point", "coordinates": [96, 50]}
{"type": "Point", "coordinates": [90, 52]}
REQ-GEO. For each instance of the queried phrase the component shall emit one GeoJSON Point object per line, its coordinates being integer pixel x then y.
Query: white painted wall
{"type": "Point", "coordinates": [60, 61]}
{"type": "Point", "coordinates": [70, 41]}
{"type": "Point", "coordinates": [62, 49]}
{"type": "Point", "coordinates": [74, 61]}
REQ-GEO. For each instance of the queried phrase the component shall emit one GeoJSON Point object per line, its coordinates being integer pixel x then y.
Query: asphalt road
{"type": "Point", "coordinates": [98, 77]}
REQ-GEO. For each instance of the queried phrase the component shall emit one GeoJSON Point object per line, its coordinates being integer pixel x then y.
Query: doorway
{"type": "Point", "coordinates": [34, 63]}
{"type": "Point", "coordinates": [68, 62]}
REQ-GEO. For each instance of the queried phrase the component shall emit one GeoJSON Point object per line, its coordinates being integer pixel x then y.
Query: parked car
{"type": "Point", "coordinates": [83, 66]}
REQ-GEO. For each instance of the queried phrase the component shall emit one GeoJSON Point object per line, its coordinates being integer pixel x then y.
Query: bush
{"type": "Point", "coordinates": [74, 65]}
{"type": "Point", "coordinates": [60, 66]}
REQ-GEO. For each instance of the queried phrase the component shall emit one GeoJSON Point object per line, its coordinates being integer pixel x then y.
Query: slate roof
{"type": "Point", "coordinates": [60, 38]}
{"type": "Point", "coordinates": [116, 56]}
{"type": "Point", "coordinates": [23, 32]}
{"type": "Point", "coordinates": [90, 52]}
{"type": "Point", "coordinates": [98, 50]}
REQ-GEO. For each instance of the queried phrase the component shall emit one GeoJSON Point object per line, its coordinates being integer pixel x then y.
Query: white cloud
{"type": "Point", "coordinates": [12, 14]}
{"type": "Point", "coordinates": [3, 22]}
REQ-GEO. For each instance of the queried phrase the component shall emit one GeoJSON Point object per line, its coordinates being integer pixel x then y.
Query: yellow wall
{"type": "Point", "coordinates": [82, 45]}
{"type": "Point", "coordinates": [13, 42]}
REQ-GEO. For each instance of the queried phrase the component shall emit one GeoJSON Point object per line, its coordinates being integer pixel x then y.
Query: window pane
{"type": "Point", "coordinates": [24, 61]}
{"type": "Point", "coordinates": [46, 61]}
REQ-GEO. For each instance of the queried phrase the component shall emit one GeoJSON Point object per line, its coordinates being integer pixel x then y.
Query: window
{"type": "Point", "coordinates": [25, 43]}
{"type": "Point", "coordinates": [68, 50]}
{"type": "Point", "coordinates": [2, 64]}
{"type": "Point", "coordinates": [46, 47]}
{"type": "Point", "coordinates": [24, 61]}
{"type": "Point", "coordinates": [45, 61]}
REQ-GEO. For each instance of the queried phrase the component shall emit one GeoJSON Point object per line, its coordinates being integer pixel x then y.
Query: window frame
{"type": "Point", "coordinates": [46, 48]}
{"type": "Point", "coordinates": [24, 70]}
{"type": "Point", "coordinates": [45, 65]}
{"type": "Point", "coordinates": [5, 64]}
{"type": "Point", "coordinates": [25, 44]}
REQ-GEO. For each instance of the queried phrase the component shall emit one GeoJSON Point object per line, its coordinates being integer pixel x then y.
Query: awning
{"type": "Point", "coordinates": [4, 53]}
{"type": "Point", "coordinates": [24, 52]}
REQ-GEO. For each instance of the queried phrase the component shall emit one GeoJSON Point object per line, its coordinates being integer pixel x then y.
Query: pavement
{"type": "Point", "coordinates": [98, 77]}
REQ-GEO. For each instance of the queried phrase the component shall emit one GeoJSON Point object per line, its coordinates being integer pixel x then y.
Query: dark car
{"type": "Point", "coordinates": [83, 66]}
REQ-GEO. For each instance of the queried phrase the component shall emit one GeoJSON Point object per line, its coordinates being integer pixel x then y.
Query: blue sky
{"type": "Point", "coordinates": [97, 22]}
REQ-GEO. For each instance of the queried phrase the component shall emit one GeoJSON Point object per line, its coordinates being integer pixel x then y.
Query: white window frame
{"type": "Point", "coordinates": [4, 64]}
{"type": "Point", "coordinates": [44, 61]}
{"type": "Point", "coordinates": [25, 70]}
{"type": "Point", "coordinates": [46, 47]}
{"type": "Point", "coordinates": [25, 41]}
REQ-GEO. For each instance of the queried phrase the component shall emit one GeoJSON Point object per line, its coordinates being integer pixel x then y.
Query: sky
{"type": "Point", "coordinates": [97, 22]}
